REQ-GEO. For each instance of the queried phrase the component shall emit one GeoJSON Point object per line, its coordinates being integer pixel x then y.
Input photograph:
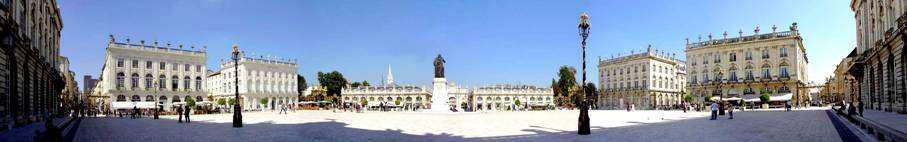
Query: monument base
{"type": "Point", "coordinates": [439, 97]}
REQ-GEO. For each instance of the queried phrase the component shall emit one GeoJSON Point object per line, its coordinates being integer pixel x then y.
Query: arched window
{"type": "Point", "coordinates": [176, 98]}
{"type": "Point", "coordinates": [148, 79]}
{"type": "Point", "coordinates": [163, 99]}
{"type": "Point", "coordinates": [186, 82]}
{"type": "Point", "coordinates": [766, 71]}
{"type": "Point", "coordinates": [198, 98]}
{"type": "Point", "coordinates": [198, 83]}
{"type": "Point", "coordinates": [121, 80]}
{"type": "Point", "coordinates": [732, 74]}
{"type": "Point", "coordinates": [174, 83]}
{"type": "Point", "coordinates": [149, 98]}
{"type": "Point", "coordinates": [136, 98]}
{"type": "Point", "coordinates": [134, 81]}
{"type": "Point", "coordinates": [782, 70]}
{"type": "Point", "coordinates": [162, 82]}
{"type": "Point", "coordinates": [121, 98]}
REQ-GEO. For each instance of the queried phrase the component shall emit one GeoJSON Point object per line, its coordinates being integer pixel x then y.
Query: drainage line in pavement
{"type": "Point", "coordinates": [843, 131]}
{"type": "Point", "coordinates": [72, 131]}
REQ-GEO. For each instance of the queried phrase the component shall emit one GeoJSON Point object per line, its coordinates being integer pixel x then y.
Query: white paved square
{"type": "Point", "coordinates": [805, 125]}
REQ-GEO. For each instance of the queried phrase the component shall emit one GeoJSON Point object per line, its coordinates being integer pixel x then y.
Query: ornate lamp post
{"type": "Point", "coordinates": [237, 111]}
{"type": "Point", "coordinates": [583, 106]}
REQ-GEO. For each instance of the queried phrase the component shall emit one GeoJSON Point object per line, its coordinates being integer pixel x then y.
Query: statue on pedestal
{"type": "Point", "coordinates": [439, 66]}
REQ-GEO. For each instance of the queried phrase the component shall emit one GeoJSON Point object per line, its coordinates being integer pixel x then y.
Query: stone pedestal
{"type": "Point", "coordinates": [439, 95]}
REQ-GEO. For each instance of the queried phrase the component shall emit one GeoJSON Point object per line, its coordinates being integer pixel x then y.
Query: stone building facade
{"type": "Point", "coordinates": [741, 69]}
{"type": "Point", "coordinates": [30, 81]}
{"type": "Point", "coordinates": [147, 75]}
{"type": "Point", "coordinates": [647, 80]}
{"type": "Point", "coordinates": [881, 63]}
{"type": "Point", "coordinates": [502, 97]}
{"type": "Point", "coordinates": [261, 79]}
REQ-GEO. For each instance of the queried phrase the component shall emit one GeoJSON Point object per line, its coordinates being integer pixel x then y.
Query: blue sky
{"type": "Point", "coordinates": [484, 42]}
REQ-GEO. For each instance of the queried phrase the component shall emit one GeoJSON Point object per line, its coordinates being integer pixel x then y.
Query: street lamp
{"type": "Point", "coordinates": [583, 107]}
{"type": "Point", "coordinates": [237, 111]}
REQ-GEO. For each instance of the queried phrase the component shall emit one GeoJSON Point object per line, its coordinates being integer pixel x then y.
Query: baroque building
{"type": "Point", "coordinates": [647, 80]}
{"type": "Point", "coordinates": [509, 97]}
{"type": "Point", "coordinates": [267, 79]}
{"type": "Point", "coordinates": [880, 63]}
{"type": "Point", "coordinates": [741, 69]}
{"type": "Point", "coordinates": [388, 93]}
{"type": "Point", "coordinates": [147, 75]}
{"type": "Point", "coordinates": [30, 78]}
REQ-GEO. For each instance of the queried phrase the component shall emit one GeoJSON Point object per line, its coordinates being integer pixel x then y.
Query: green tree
{"type": "Point", "coordinates": [764, 98]}
{"type": "Point", "coordinates": [232, 101]}
{"type": "Point", "coordinates": [355, 84]}
{"type": "Point", "coordinates": [263, 101]}
{"type": "Point", "coordinates": [688, 98]}
{"type": "Point", "coordinates": [708, 98]}
{"type": "Point", "coordinates": [190, 102]}
{"type": "Point", "coordinates": [397, 102]}
{"type": "Point", "coordinates": [517, 102]}
{"type": "Point", "coordinates": [364, 102]}
{"type": "Point", "coordinates": [221, 102]}
{"type": "Point", "coordinates": [565, 81]}
{"type": "Point", "coordinates": [365, 83]}
{"type": "Point", "coordinates": [333, 82]}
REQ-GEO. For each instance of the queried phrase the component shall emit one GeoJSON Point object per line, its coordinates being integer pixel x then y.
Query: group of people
{"type": "Point", "coordinates": [715, 108]}
{"type": "Point", "coordinates": [184, 111]}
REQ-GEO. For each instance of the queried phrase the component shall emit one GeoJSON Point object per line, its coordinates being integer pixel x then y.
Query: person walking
{"type": "Point", "coordinates": [135, 111]}
{"type": "Point", "coordinates": [187, 110]}
{"type": "Point", "coordinates": [731, 111]}
{"type": "Point", "coordinates": [714, 109]}
{"type": "Point", "coordinates": [179, 111]}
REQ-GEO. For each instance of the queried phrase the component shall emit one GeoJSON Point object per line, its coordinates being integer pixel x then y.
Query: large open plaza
{"type": "Point", "coordinates": [764, 125]}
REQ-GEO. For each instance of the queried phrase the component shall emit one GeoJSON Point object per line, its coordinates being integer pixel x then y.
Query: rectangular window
{"type": "Point", "coordinates": [717, 58]}
{"type": "Point", "coordinates": [135, 63]}
{"type": "Point", "coordinates": [766, 73]}
{"type": "Point", "coordinates": [198, 68]}
{"type": "Point", "coordinates": [765, 54]}
{"type": "Point", "coordinates": [148, 65]}
{"type": "Point", "coordinates": [783, 52]}
{"type": "Point", "coordinates": [733, 57]}
{"type": "Point", "coordinates": [173, 66]}
{"type": "Point", "coordinates": [186, 67]}
{"type": "Point", "coordinates": [749, 55]}
{"type": "Point", "coordinates": [163, 65]}
{"type": "Point", "coordinates": [784, 72]}
{"type": "Point", "coordinates": [120, 62]}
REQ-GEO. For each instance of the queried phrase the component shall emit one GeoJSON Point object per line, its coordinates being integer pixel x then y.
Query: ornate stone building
{"type": "Point", "coordinates": [70, 96]}
{"type": "Point", "coordinates": [741, 69]}
{"type": "Point", "coordinates": [261, 79]}
{"type": "Point", "coordinates": [30, 81]}
{"type": "Point", "coordinates": [880, 65]}
{"type": "Point", "coordinates": [146, 75]}
{"type": "Point", "coordinates": [509, 97]}
{"type": "Point", "coordinates": [646, 80]}
{"type": "Point", "coordinates": [389, 93]}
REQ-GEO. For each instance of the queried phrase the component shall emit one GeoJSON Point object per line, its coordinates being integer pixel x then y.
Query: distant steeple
{"type": "Point", "coordinates": [390, 76]}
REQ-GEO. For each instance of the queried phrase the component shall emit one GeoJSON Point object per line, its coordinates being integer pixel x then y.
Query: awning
{"type": "Point", "coordinates": [130, 105]}
{"type": "Point", "coordinates": [772, 98]}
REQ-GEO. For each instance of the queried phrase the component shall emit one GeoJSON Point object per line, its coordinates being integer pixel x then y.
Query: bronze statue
{"type": "Point", "coordinates": [439, 67]}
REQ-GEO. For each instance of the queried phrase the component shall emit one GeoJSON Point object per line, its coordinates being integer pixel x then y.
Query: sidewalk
{"type": "Point", "coordinates": [27, 132]}
{"type": "Point", "coordinates": [892, 120]}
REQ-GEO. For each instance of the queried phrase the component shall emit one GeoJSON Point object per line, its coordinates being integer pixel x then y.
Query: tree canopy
{"type": "Point", "coordinates": [333, 82]}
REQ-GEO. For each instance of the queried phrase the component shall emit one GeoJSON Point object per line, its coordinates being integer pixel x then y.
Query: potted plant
{"type": "Point", "coordinates": [764, 99]}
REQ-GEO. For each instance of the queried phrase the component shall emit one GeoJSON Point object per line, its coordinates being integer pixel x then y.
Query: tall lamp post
{"type": "Point", "coordinates": [583, 106]}
{"type": "Point", "coordinates": [237, 111]}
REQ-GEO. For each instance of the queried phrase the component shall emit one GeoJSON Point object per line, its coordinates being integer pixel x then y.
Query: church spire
{"type": "Point", "coordinates": [390, 76]}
